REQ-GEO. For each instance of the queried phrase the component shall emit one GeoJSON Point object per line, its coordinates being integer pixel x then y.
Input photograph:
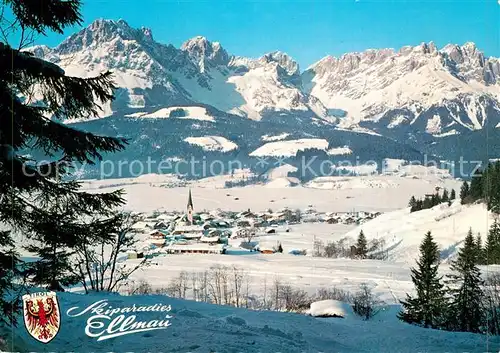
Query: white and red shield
{"type": "Point", "coordinates": [42, 316]}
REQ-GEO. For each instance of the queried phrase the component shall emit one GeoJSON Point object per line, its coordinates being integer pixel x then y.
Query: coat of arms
{"type": "Point", "coordinates": [42, 317]}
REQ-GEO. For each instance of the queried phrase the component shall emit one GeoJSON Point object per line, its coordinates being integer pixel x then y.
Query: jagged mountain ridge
{"type": "Point", "coordinates": [155, 74]}
{"type": "Point", "coordinates": [413, 90]}
{"type": "Point", "coordinates": [423, 98]}
{"type": "Point", "coordinates": [439, 92]}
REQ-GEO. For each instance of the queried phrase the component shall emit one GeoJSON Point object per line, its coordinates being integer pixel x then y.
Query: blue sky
{"type": "Point", "coordinates": [307, 30]}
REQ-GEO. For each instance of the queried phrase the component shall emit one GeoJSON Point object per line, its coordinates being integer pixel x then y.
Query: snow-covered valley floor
{"type": "Point", "coordinates": [200, 327]}
{"type": "Point", "coordinates": [333, 194]}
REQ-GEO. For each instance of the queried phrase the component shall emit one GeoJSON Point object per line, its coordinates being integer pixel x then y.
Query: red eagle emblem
{"type": "Point", "coordinates": [41, 315]}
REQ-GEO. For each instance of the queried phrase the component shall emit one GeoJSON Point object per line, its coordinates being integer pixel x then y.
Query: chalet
{"type": "Point", "coordinates": [208, 225]}
{"type": "Point", "coordinates": [157, 238]}
{"type": "Point", "coordinates": [243, 223]}
{"type": "Point", "coordinates": [214, 232]}
{"type": "Point", "coordinates": [246, 214]}
{"type": "Point", "coordinates": [161, 225]}
{"type": "Point", "coordinates": [222, 224]}
{"type": "Point", "coordinates": [332, 220]}
{"type": "Point", "coordinates": [134, 255]}
{"type": "Point", "coordinates": [155, 233]}
{"type": "Point", "coordinates": [259, 222]}
{"type": "Point", "coordinates": [205, 217]}
{"type": "Point", "coordinates": [141, 226]}
{"type": "Point", "coordinates": [349, 220]}
{"type": "Point", "coordinates": [164, 217]}
{"type": "Point", "coordinates": [265, 249]}
{"type": "Point", "coordinates": [192, 236]}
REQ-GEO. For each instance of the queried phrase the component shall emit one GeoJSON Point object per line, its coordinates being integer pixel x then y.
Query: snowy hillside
{"type": "Point", "coordinates": [449, 225]}
{"type": "Point", "coordinates": [212, 143]}
{"type": "Point", "coordinates": [289, 148]}
{"type": "Point", "coordinates": [195, 113]}
{"type": "Point", "coordinates": [200, 327]}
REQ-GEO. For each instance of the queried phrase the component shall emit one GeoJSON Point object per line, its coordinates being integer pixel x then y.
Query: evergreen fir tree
{"type": "Point", "coordinates": [445, 197]}
{"type": "Point", "coordinates": [362, 245]}
{"type": "Point", "coordinates": [428, 203]}
{"type": "Point", "coordinates": [53, 244]}
{"type": "Point", "coordinates": [429, 304]}
{"type": "Point", "coordinates": [453, 195]}
{"type": "Point", "coordinates": [491, 185]}
{"type": "Point", "coordinates": [28, 186]}
{"type": "Point", "coordinates": [420, 205]}
{"type": "Point", "coordinates": [435, 200]}
{"type": "Point", "coordinates": [9, 270]}
{"type": "Point", "coordinates": [466, 312]}
{"type": "Point", "coordinates": [481, 260]}
{"type": "Point", "coordinates": [413, 204]}
{"type": "Point", "coordinates": [464, 192]}
{"type": "Point", "coordinates": [492, 246]}
{"type": "Point", "coordinates": [476, 186]}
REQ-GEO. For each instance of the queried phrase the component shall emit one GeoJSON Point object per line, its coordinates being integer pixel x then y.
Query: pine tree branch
{"type": "Point", "coordinates": [54, 15]}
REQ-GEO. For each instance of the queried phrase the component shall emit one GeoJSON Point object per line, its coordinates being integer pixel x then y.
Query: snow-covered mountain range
{"type": "Point", "coordinates": [422, 97]}
{"type": "Point", "coordinates": [445, 91]}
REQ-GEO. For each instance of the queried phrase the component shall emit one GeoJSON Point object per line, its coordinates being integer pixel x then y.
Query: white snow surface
{"type": "Point", "coordinates": [330, 308]}
{"type": "Point", "coordinates": [196, 326]}
{"type": "Point", "coordinates": [279, 137]}
{"type": "Point", "coordinates": [194, 113]}
{"type": "Point", "coordinates": [145, 196]}
{"type": "Point", "coordinates": [448, 224]}
{"type": "Point", "coordinates": [289, 148]}
{"type": "Point", "coordinates": [240, 330]}
{"type": "Point", "coordinates": [339, 151]}
{"type": "Point", "coordinates": [212, 143]}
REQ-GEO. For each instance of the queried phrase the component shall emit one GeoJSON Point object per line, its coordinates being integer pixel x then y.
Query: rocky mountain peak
{"type": "Point", "coordinates": [283, 60]}
{"type": "Point", "coordinates": [468, 63]}
{"type": "Point", "coordinates": [147, 33]}
{"type": "Point", "coordinates": [103, 31]}
{"type": "Point", "coordinates": [203, 52]}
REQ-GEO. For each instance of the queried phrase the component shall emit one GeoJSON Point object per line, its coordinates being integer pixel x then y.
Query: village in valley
{"type": "Point", "coordinates": [222, 232]}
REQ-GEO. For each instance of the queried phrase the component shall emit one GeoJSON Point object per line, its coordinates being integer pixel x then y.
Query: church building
{"type": "Point", "coordinates": [190, 208]}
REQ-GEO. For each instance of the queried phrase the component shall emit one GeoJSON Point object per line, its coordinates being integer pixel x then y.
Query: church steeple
{"type": "Point", "coordinates": [190, 208]}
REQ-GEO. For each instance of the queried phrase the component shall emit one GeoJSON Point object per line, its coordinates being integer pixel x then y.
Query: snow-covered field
{"type": "Point", "coordinates": [212, 143]}
{"type": "Point", "coordinates": [201, 328]}
{"type": "Point", "coordinates": [195, 113]}
{"type": "Point", "coordinates": [387, 193]}
{"type": "Point", "coordinates": [288, 148]}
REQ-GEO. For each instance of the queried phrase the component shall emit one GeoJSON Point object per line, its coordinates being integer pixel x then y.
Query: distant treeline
{"type": "Point", "coordinates": [430, 201]}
